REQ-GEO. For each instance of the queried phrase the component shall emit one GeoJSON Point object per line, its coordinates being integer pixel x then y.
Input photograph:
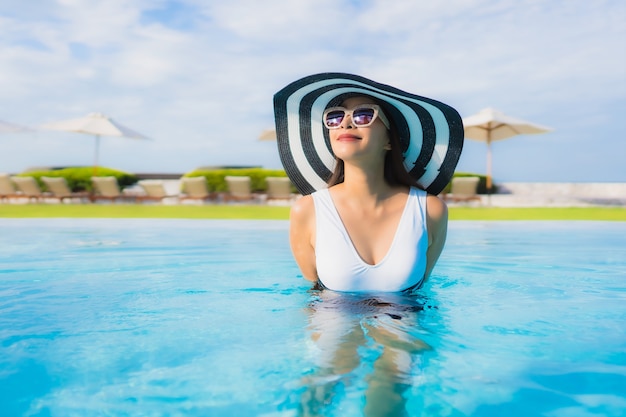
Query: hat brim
{"type": "Point", "coordinates": [435, 130]}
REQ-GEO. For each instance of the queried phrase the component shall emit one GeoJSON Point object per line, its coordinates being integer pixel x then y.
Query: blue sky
{"type": "Point", "coordinates": [198, 76]}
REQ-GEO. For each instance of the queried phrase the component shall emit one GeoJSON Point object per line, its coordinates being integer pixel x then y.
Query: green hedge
{"type": "Point", "coordinates": [79, 178]}
{"type": "Point", "coordinates": [216, 183]}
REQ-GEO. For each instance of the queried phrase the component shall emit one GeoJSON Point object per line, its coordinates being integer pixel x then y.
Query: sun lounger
{"type": "Point", "coordinates": [154, 191]}
{"type": "Point", "coordinates": [7, 189]}
{"type": "Point", "coordinates": [107, 188]}
{"type": "Point", "coordinates": [278, 188]}
{"type": "Point", "coordinates": [239, 188]}
{"type": "Point", "coordinates": [195, 188]}
{"type": "Point", "coordinates": [28, 187]}
{"type": "Point", "coordinates": [463, 189]}
{"type": "Point", "coordinates": [59, 189]}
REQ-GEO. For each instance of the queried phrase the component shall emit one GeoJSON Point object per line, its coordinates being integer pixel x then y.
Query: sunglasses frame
{"type": "Point", "coordinates": [378, 113]}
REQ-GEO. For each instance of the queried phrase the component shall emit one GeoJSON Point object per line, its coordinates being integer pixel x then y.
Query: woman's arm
{"type": "Point", "coordinates": [302, 236]}
{"type": "Point", "coordinates": [437, 224]}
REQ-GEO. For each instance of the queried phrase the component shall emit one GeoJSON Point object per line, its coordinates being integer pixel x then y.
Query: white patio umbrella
{"type": "Point", "coordinates": [268, 135]}
{"type": "Point", "coordinates": [96, 124]}
{"type": "Point", "coordinates": [490, 125]}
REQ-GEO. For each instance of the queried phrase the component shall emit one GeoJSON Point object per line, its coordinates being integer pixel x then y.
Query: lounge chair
{"type": "Point", "coordinates": [59, 189]}
{"type": "Point", "coordinates": [107, 188]}
{"type": "Point", "coordinates": [239, 188]}
{"type": "Point", "coordinates": [195, 188]}
{"type": "Point", "coordinates": [154, 191]}
{"type": "Point", "coordinates": [278, 188]}
{"type": "Point", "coordinates": [464, 189]}
{"type": "Point", "coordinates": [7, 189]}
{"type": "Point", "coordinates": [28, 187]}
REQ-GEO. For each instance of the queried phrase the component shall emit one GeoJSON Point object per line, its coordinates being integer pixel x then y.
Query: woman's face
{"type": "Point", "coordinates": [350, 141]}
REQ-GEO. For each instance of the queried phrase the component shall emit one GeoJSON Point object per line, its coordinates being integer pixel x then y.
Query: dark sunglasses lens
{"type": "Point", "coordinates": [334, 118]}
{"type": "Point", "coordinates": [362, 117]}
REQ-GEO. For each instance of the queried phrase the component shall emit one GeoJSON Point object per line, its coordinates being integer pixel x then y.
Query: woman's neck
{"type": "Point", "coordinates": [362, 183]}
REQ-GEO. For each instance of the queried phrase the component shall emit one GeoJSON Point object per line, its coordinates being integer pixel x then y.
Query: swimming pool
{"type": "Point", "coordinates": [211, 318]}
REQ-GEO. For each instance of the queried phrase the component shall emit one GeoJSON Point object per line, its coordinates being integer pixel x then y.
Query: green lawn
{"type": "Point", "coordinates": [539, 213]}
{"type": "Point", "coordinates": [262, 212]}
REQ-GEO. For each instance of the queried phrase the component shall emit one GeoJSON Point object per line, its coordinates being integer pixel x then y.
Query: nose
{"type": "Point", "coordinates": [345, 124]}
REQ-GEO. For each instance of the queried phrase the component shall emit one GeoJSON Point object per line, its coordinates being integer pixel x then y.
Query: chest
{"type": "Point", "coordinates": [371, 231]}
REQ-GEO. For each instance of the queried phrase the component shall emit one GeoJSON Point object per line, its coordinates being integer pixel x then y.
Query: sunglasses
{"type": "Point", "coordinates": [362, 116]}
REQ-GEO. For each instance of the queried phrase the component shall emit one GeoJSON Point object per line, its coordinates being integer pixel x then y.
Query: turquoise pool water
{"type": "Point", "coordinates": [211, 318]}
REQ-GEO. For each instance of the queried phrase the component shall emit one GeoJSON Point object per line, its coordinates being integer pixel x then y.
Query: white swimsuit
{"type": "Point", "coordinates": [341, 268]}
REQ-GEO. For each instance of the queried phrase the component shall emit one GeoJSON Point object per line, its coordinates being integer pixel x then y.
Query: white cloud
{"type": "Point", "coordinates": [286, 22]}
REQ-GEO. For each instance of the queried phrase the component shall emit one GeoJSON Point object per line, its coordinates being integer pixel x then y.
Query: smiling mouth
{"type": "Point", "coordinates": [348, 137]}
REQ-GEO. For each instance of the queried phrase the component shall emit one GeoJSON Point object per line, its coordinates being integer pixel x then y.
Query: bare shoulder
{"type": "Point", "coordinates": [302, 217]}
{"type": "Point", "coordinates": [436, 208]}
{"type": "Point", "coordinates": [303, 209]}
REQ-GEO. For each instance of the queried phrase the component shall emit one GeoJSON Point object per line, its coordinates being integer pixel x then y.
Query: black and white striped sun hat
{"type": "Point", "coordinates": [431, 132]}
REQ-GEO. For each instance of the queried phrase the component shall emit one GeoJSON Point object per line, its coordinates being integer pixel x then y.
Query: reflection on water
{"type": "Point", "coordinates": [361, 340]}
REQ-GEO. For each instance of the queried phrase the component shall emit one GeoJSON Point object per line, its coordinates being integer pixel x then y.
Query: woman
{"type": "Point", "coordinates": [369, 160]}
{"type": "Point", "coordinates": [374, 226]}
